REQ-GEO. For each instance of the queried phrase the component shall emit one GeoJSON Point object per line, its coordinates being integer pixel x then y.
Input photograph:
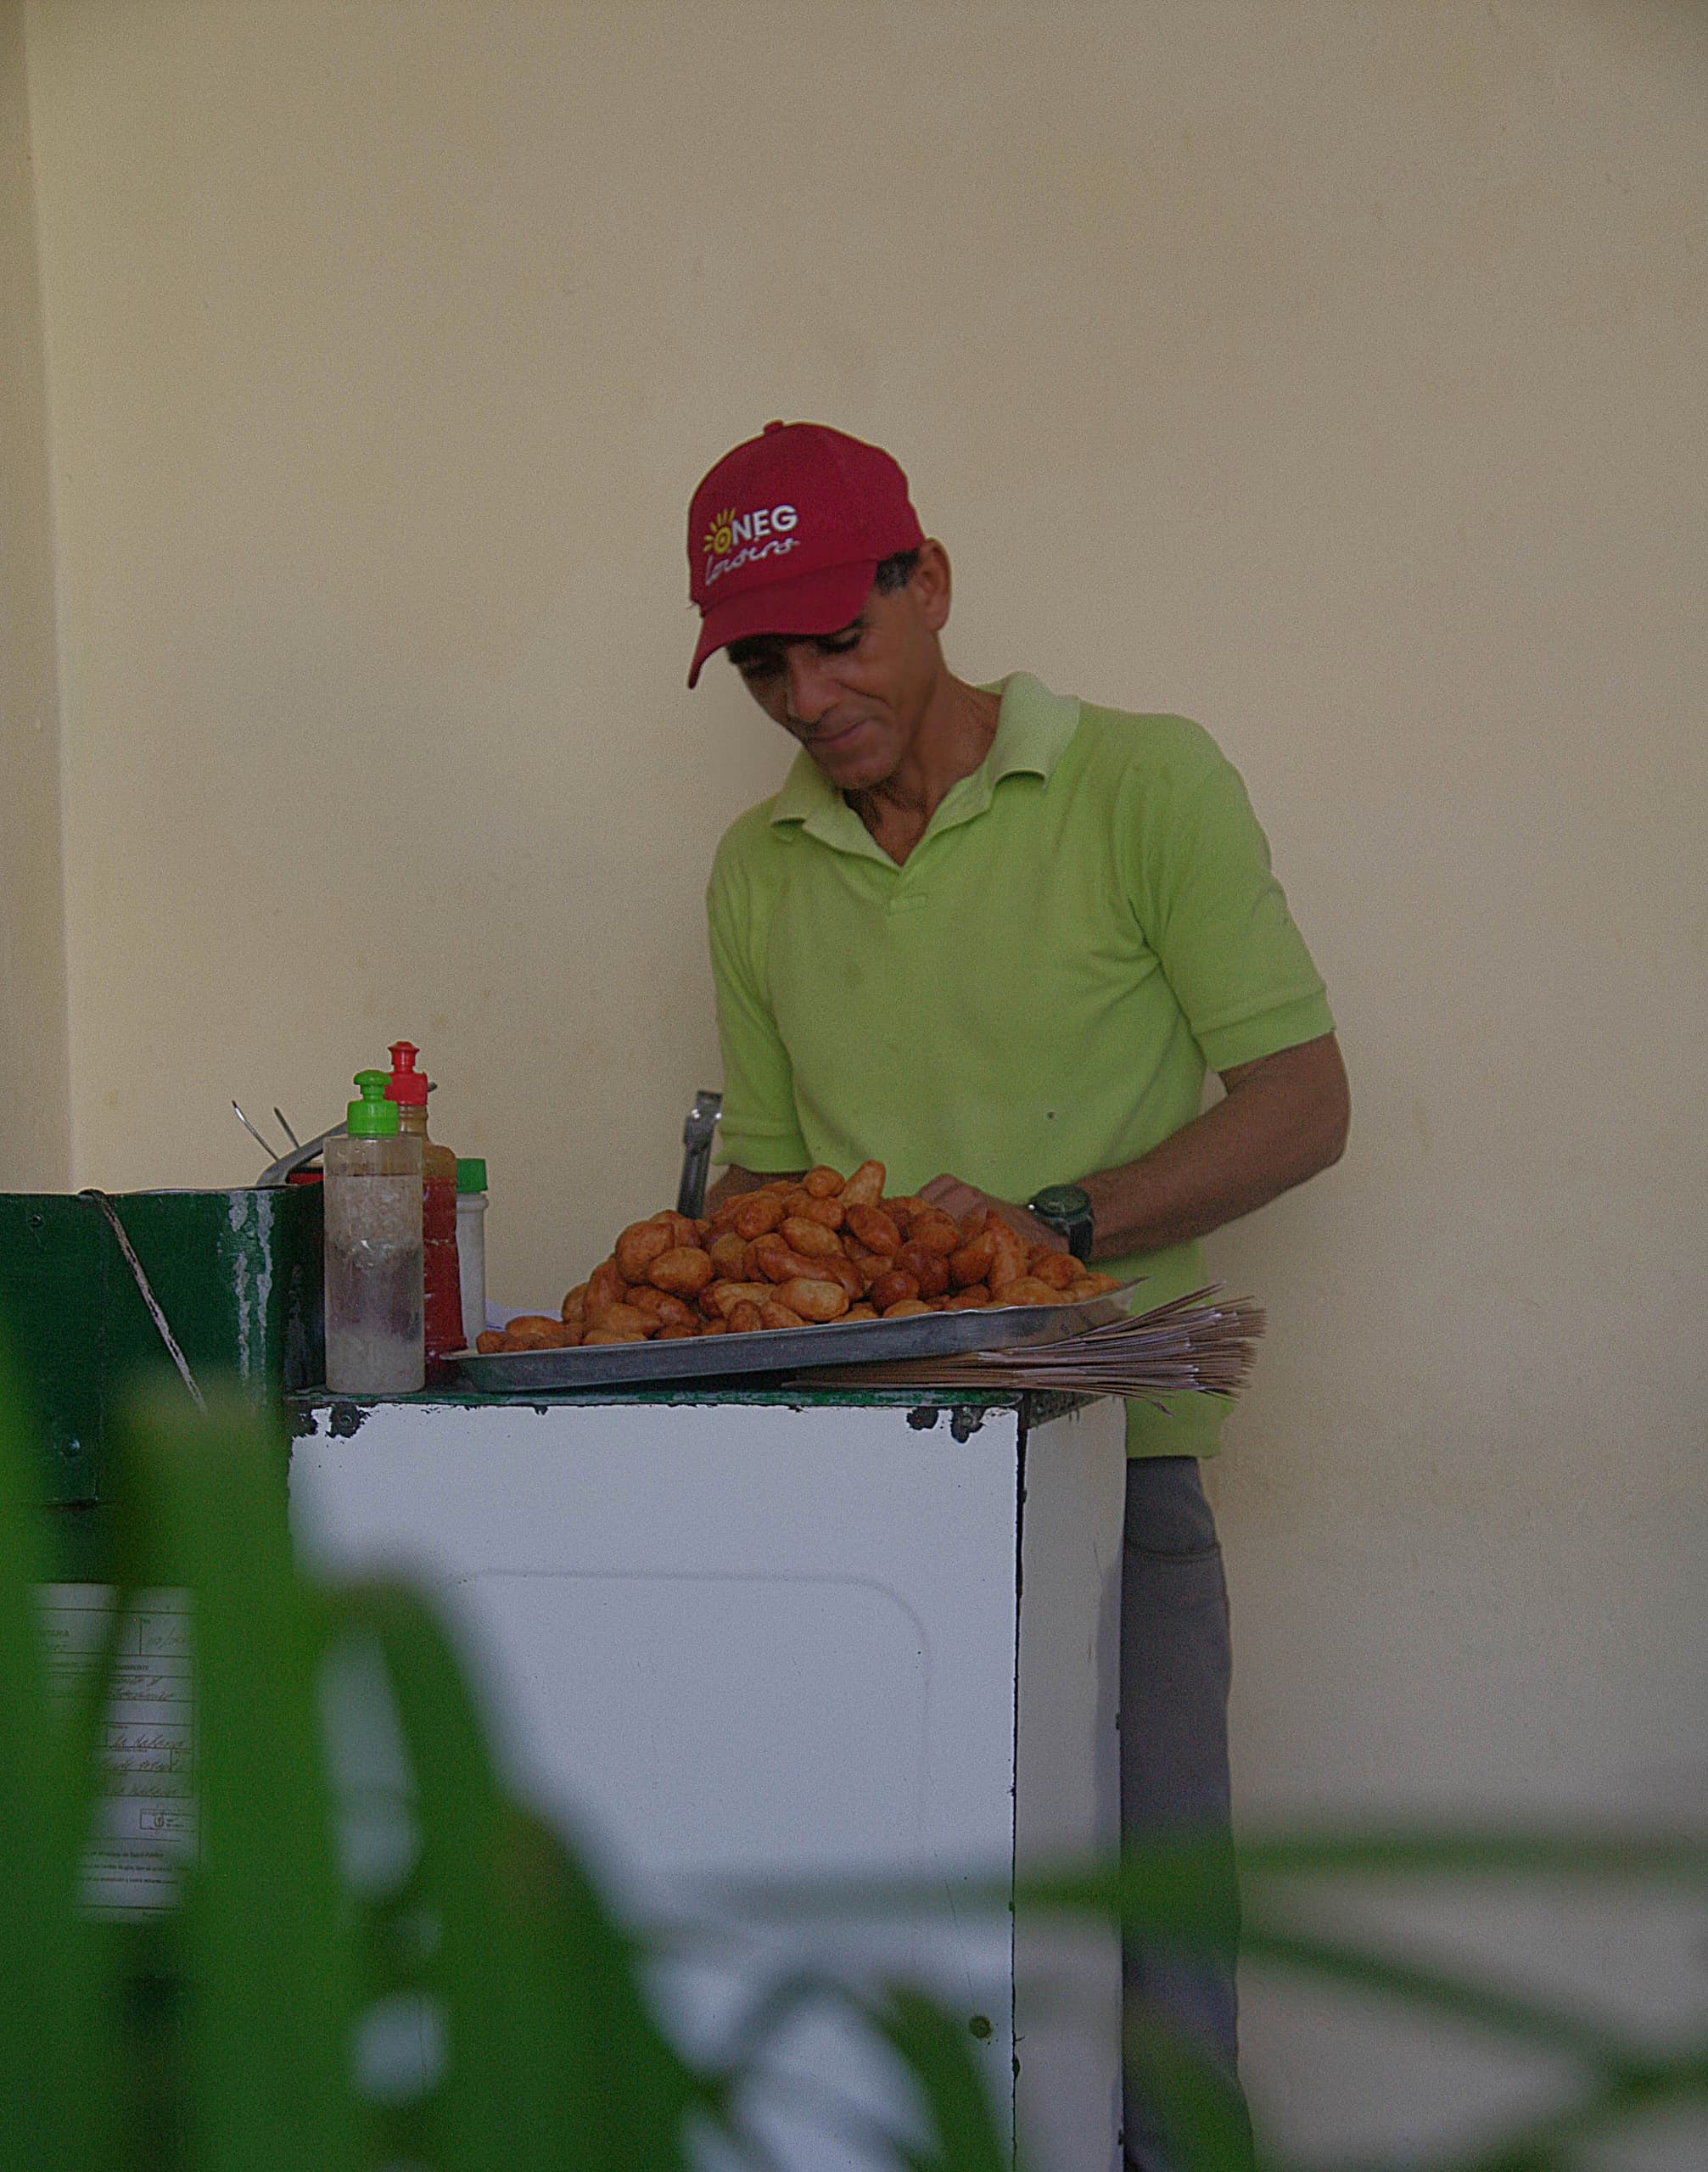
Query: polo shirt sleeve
{"type": "Point", "coordinates": [1199, 878]}
{"type": "Point", "coordinates": [758, 1128]}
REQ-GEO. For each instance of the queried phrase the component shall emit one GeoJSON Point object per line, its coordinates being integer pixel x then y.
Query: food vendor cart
{"type": "Point", "coordinates": [758, 1633]}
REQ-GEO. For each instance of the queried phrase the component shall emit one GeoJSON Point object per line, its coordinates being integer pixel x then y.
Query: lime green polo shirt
{"type": "Point", "coordinates": [1089, 921]}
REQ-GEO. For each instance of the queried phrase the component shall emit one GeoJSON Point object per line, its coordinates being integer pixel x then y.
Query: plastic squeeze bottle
{"type": "Point", "coordinates": [471, 1243]}
{"type": "Point", "coordinates": [442, 1285]}
{"type": "Point", "coordinates": [373, 1337]}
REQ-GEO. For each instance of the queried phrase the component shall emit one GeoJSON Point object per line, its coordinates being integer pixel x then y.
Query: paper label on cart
{"type": "Point", "coordinates": [145, 1822]}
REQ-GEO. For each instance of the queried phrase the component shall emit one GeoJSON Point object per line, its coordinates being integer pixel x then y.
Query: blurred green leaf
{"type": "Point", "coordinates": [934, 2050]}
{"type": "Point", "coordinates": [553, 2057]}
{"type": "Point", "coordinates": [610, 2076]}
{"type": "Point", "coordinates": [262, 1939]}
{"type": "Point", "coordinates": [232, 2034]}
{"type": "Point", "coordinates": [48, 2108]}
{"type": "Point", "coordinates": [1486, 2008]}
{"type": "Point", "coordinates": [484, 2113]}
{"type": "Point", "coordinates": [1627, 1855]}
{"type": "Point", "coordinates": [1202, 2116]}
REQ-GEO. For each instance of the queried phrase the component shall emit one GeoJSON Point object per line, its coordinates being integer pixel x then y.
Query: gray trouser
{"type": "Point", "coordinates": [1174, 1670]}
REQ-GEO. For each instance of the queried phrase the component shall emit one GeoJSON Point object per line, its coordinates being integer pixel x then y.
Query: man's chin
{"type": "Point", "coordinates": [852, 763]}
{"type": "Point", "coordinates": [851, 774]}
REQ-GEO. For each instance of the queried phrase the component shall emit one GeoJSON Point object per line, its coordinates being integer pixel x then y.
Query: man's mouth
{"type": "Point", "coordinates": [822, 740]}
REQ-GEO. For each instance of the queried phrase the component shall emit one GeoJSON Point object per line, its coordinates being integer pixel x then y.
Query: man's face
{"type": "Point", "coordinates": [853, 698]}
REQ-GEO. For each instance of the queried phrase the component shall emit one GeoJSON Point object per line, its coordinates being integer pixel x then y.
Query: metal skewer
{"type": "Point", "coordinates": [264, 1145]}
{"type": "Point", "coordinates": [288, 1132]}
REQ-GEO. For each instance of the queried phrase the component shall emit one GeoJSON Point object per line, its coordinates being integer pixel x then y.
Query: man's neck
{"type": "Point", "coordinates": [953, 737]}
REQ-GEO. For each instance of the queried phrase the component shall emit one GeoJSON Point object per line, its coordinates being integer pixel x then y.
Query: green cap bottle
{"type": "Point", "coordinates": [372, 1116]}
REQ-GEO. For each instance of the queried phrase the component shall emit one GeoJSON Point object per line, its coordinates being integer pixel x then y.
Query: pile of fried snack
{"type": "Point", "coordinates": [798, 1252]}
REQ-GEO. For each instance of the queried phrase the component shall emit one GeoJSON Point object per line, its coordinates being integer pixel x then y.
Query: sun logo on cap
{"type": "Point", "coordinates": [721, 534]}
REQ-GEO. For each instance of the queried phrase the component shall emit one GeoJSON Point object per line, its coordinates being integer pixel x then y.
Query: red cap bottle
{"type": "Point", "coordinates": [441, 1274]}
{"type": "Point", "coordinates": [408, 1086]}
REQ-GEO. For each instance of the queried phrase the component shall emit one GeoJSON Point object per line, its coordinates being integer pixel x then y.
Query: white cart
{"type": "Point", "coordinates": [772, 1634]}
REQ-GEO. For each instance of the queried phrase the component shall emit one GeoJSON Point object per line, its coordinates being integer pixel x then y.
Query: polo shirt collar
{"type": "Point", "coordinates": [1033, 728]}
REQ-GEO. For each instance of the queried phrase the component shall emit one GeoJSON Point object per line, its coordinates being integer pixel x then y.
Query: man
{"type": "Point", "coordinates": [993, 937]}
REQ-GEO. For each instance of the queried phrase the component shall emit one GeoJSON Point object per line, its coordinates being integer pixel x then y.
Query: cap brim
{"type": "Point", "coordinates": [821, 602]}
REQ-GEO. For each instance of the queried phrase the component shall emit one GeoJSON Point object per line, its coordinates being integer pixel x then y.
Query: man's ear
{"type": "Point", "coordinates": [932, 585]}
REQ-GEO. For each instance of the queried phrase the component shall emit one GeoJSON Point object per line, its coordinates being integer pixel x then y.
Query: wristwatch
{"type": "Point", "coordinates": [1066, 1208]}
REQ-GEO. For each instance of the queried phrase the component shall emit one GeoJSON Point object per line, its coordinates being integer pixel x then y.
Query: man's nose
{"type": "Point", "coordinates": [810, 691]}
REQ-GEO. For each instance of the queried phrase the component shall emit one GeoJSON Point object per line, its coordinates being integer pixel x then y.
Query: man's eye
{"type": "Point", "coordinates": [838, 644]}
{"type": "Point", "coordinates": [753, 667]}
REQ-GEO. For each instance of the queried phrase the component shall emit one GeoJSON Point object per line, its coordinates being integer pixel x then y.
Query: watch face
{"type": "Point", "coordinates": [1061, 1203]}
{"type": "Point", "coordinates": [1068, 1209]}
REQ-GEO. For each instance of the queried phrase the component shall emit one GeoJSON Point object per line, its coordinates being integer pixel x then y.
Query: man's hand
{"type": "Point", "coordinates": [958, 1199]}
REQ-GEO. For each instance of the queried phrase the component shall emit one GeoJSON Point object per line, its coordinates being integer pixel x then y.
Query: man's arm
{"type": "Point", "coordinates": [1283, 1119]}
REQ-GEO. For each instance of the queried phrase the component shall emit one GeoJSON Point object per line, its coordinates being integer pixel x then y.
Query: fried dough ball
{"type": "Point", "coordinates": [667, 1310]}
{"type": "Point", "coordinates": [1058, 1269]}
{"type": "Point", "coordinates": [725, 1297]}
{"type": "Point", "coordinates": [874, 1230]}
{"type": "Point", "coordinates": [935, 1232]}
{"type": "Point", "coordinates": [929, 1269]}
{"type": "Point", "coordinates": [639, 1245]}
{"type": "Point", "coordinates": [822, 1182]}
{"type": "Point", "coordinates": [626, 1319]}
{"type": "Point", "coordinates": [489, 1340]}
{"type": "Point", "coordinates": [812, 1299]}
{"type": "Point", "coordinates": [810, 1238]}
{"type": "Point", "coordinates": [772, 1313]}
{"type": "Point", "coordinates": [779, 1262]}
{"type": "Point", "coordinates": [744, 1318]}
{"type": "Point", "coordinates": [1028, 1290]}
{"type": "Point", "coordinates": [845, 1272]}
{"type": "Point", "coordinates": [864, 1187]}
{"type": "Point", "coordinates": [605, 1288]}
{"type": "Point", "coordinates": [756, 1215]}
{"type": "Point", "coordinates": [908, 1308]}
{"type": "Point", "coordinates": [893, 1288]}
{"type": "Point", "coordinates": [972, 1261]}
{"type": "Point", "coordinates": [1008, 1258]}
{"type": "Point", "coordinates": [684, 1270]}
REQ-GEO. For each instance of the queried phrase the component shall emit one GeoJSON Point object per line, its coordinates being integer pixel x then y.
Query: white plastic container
{"type": "Point", "coordinates": [374, 1344]}
{"type": "Point", "coordinates": [471, 1244]}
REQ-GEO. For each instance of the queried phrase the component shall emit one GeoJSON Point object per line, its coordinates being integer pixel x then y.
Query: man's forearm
{"type": "Point", "coordinates": [1283, 1119]}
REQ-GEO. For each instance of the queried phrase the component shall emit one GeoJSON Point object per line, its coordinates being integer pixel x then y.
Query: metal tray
{"type": "Point", "coordinates": [786, 1350]}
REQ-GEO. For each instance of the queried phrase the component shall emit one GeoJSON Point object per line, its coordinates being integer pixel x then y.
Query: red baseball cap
{"type": "Point", "coordinates": [786, 532]}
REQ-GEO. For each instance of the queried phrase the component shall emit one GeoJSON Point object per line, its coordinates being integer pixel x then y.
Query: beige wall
{"type": "Point", "coordinates": [1333, 372]}
{"type": "Point", "coordinates": [35, 1105]}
